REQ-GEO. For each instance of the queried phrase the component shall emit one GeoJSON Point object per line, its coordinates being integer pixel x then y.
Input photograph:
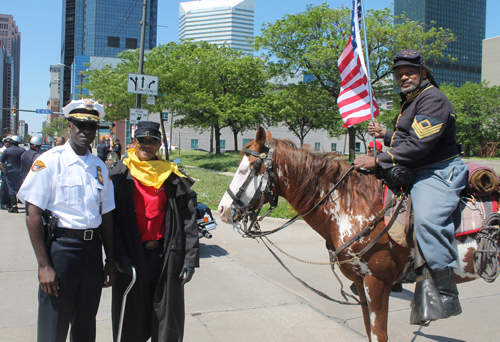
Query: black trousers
{"type": "Point", "coordinates": [79, 267]}
{"type": "Point", "coordinates": [4, 191]}
{"type": "Point", "coordinates": [14, 181]}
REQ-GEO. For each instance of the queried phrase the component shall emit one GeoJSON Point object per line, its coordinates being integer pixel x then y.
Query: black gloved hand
{"type": "Point", "coordinates": [124, 265]}
{"type": "Point", "coordinates": [186, 274]}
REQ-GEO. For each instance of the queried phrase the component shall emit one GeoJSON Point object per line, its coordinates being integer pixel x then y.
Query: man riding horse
{"type": "Point", "coordinates": [424, 140]}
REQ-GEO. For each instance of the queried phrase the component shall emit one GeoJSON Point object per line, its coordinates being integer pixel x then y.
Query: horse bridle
{"type": "Point", "coordinates": [264, 190]}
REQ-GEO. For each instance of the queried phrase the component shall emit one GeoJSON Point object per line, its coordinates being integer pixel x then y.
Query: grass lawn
{"type": "Point", "coordinates": [227, 162]}
{"type": "Point", "coordinates": [211, 186]}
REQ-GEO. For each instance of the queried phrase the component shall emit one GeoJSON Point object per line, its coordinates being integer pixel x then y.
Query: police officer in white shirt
{"type": "Point", "coordinates": [74, 186]}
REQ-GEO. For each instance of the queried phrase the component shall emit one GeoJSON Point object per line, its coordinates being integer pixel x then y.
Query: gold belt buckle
{"type": "Point", "coordinates": [88, 235]}
{"type": "Point", "coordinates": [151, 244]}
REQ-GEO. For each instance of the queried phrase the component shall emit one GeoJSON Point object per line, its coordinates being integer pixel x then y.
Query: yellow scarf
{"type": "Point", "coordinates": [151, 172]}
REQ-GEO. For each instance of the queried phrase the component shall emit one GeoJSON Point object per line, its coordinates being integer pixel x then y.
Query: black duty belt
{"type": "Point", "coordinates": [87, 234]}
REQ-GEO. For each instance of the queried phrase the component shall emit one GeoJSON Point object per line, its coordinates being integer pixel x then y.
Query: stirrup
{"type": "Point", "coordinates": [427, 305]}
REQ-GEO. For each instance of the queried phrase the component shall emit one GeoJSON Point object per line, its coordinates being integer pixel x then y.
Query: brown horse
{"type": "Point", "coordinates": [303, 179]}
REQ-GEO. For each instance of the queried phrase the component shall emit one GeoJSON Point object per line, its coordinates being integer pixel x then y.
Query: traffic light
{"type": "Point", "coordinates": [14, 111]}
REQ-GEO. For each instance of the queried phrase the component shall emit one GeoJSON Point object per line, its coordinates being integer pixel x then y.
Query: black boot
{"type": "Point", "coordinates": [13, 204]}
{"type": "Point", "coordinates": [426, 305]}
{"type": "Point", "coordinates": [447, 286]}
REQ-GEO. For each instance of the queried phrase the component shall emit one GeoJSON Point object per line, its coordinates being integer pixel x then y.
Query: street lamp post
{"type": "Point", "coordinates": [79, 74]}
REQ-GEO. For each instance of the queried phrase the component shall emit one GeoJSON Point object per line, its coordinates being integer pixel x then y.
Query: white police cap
{"type": "Point", "coordinates": [84, 110]}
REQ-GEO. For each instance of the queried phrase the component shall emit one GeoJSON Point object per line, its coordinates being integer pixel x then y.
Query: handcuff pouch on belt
{"type": "Point", "coordinates": [397, 176]}
{"type": "Point", "coordinates": [50, 226]}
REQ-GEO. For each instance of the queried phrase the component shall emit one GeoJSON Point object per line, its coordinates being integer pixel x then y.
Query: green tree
{"type": "Point", "coordinates": [313, 40]}
{"type": "Point", "coordinates": [302, 108]}
{"type": "Point", "coordinates": [202, 84]}
{"type": "Point", "coordinates": [478, 115]}
{"type": "Point", "coordinates": [58, 125]}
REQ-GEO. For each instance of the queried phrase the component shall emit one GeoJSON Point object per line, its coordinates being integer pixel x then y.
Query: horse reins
{"type": "Point", "coordinates": [238, 208]}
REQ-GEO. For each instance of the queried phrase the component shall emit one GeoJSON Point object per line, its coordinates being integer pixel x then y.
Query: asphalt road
{"type": "Point", "coordinates": [240, 293]}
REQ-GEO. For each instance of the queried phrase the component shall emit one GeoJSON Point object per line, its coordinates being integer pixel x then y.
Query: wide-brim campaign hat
{"type": "Point", "coordinates": [84, 110]}
{"type": "Point", "coordinates": [408, 57]}
{"type": "Point", "coordinates": [148, 129]}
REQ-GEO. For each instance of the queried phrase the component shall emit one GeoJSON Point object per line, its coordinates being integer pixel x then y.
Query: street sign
{"type": "Point", "coordinates": [142, 84]}
{"type": "Point", "coordinates": [151, 100]}
{"type": "Point", "coordinates": [43, 111]}
{"type": "Point", "coordinates": [138, 114]}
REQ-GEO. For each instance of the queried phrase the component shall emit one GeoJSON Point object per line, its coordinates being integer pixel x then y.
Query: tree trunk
{"type": "Point", "coordinates": [352, 143]}
{"type": "Point", "coordinates": [217, 139]}
{"type": "Point", "coordinates": [235, 136]}
{"type": "Point", "coordinates": [212, 139]}
{"type": "Point", "coordinates": [467, 150]}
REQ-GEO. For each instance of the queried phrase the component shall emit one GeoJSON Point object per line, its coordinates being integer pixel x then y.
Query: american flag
{"type": "Point", "coordinates": [354, 99]}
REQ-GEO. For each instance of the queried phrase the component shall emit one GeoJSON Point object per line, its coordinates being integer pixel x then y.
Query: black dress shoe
{"type": "Point", "coordinates": [13, 210]}
{"type": "Point", "coordinates": [5, 206]}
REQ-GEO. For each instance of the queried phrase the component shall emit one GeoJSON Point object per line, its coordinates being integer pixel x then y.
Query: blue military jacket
{"type": "Point", "coordinates": [424, 132]}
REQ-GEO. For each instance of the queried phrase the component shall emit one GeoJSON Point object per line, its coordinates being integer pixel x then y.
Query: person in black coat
{"type": "Point", "coordinates": [117, 148]}
{"type": "Point", "coordinates": [156, 232]}
{"type": "Point", "coordinates": [102, 150]}
{"type": "Point", "coordinates": [10, 164]}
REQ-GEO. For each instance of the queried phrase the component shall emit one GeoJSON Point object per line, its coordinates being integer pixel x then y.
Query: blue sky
{"type": "Point", "coordinates": [40, 26]}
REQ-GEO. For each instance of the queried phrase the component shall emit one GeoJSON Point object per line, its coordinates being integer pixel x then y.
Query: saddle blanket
{"type": "Point", "coordinates": [468, 216]}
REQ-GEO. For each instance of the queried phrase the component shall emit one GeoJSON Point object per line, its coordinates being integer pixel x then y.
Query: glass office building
{"type": "Point", "coordinates": [467, 20]}
{"type": "Point", "coordinates": [229, 22]}
{"type": "Point", "coordinates": [102, 28]}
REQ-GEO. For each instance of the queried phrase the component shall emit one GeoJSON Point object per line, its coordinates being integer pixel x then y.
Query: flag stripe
{"type": "Point", "coordinates": [354, 99]}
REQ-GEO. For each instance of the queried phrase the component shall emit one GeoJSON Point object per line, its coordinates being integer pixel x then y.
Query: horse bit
{"type": "Point", "coordinates": [239, 209]}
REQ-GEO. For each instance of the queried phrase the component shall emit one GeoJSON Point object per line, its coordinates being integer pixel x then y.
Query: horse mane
{"type": "Point", "coordinates": [359, 191]}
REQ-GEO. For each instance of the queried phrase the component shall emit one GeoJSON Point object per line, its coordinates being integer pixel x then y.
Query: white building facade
{"type": "Point", "coordinates": [229, 22]}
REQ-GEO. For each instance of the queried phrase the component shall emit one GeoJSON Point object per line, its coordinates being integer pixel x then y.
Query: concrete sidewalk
{"type": "Point", "coordinates": [240, 293]}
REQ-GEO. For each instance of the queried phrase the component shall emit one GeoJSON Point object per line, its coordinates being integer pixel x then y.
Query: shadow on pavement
{"type": "Point", "coordinates": [430, 337]}
{"type": "Point", "coordinates": [207, 251]}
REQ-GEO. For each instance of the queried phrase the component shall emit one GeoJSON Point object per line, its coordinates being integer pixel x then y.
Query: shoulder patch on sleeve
{"type": "Point", "coordinates": [425, 126]}
{"type": "Point", "coordinates": [38, 165]}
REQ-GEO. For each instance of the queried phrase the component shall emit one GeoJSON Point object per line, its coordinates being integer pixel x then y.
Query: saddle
{"type": "Point", "coordinates": [468, 216]}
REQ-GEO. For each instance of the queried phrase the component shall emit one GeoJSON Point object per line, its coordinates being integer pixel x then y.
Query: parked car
{"type": "Point", "coordinates": [45, 148]}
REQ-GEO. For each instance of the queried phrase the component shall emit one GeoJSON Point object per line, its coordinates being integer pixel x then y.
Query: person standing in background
{"type": "Point", "coordinates": [30, 156]}
{"type": "Point", "coordinates": [10, 164]}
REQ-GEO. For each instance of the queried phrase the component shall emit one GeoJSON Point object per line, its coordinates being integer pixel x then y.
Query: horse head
{"type": "Point", "coordinates": [251, 180]}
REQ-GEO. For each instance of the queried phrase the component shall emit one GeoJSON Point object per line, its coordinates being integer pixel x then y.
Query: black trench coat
{"type": "Point", "coordinates": [181, 248]}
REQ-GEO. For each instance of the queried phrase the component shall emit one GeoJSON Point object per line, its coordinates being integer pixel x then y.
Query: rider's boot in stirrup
{"type": "Point", "coordinates": [445, 282]}
{"type": "Point", "coordinates": [427, 305]}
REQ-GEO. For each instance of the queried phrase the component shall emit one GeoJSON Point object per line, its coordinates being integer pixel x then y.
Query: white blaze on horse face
{"type": "Point", "coordinates": [239, 178]}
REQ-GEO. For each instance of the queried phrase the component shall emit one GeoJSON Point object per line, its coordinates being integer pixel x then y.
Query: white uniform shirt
{"type": "Point", "coordinates": [70, 186]}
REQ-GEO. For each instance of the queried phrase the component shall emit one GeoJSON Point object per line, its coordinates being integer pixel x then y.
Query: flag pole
{"type": "Point", "coordinates": [368, 74]}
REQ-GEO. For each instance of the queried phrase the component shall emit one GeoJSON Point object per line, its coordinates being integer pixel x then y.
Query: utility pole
{"type": "Point", "coordinates": [141, 54]}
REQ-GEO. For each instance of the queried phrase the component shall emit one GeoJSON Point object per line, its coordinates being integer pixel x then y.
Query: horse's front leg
{"type": "Point", "coordinates": [364, 309]}
{"type": "Point", "coordinates": [377, 294]}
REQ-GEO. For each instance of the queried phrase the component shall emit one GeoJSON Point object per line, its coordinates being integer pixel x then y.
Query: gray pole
{"type": "Point", "coordinates": [141, 55]}
{"type": "Point", "coordinates": [368, 76]}
{"type": "Point", "coordinates": [141, 50]}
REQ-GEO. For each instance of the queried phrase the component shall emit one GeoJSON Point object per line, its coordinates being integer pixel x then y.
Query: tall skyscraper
{"type": "Point", "coordinates": [11, 39]}
{"type": "Point", "coordinates": [101, 28]}
{"type": "Point", "coordinates": [229, 22]}
{"type": "Point", "coordinates": [467, 20]}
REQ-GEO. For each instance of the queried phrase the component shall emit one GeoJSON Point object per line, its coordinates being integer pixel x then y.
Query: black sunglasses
{"type": "Point", "coordinates": [92, 126]}
{"type": "Point", "coordinates": [147, 141]}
